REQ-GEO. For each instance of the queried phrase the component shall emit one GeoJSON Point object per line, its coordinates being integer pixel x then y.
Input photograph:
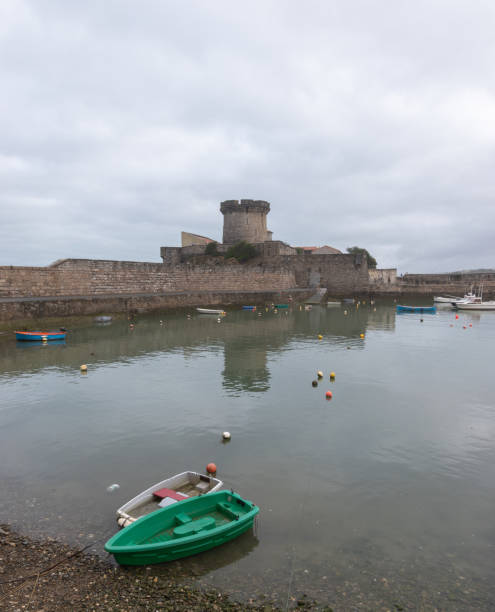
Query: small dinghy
{"type": "Point", "coordinates": [164, 493]}
{"type": "Point", "coordinates": [278, 306]}
{"type": "Point", "coordinates": [183, 529]}
{"type": "Point", "coordinates": [37, 336]}
{"type": "Point", "coordinates": [103, 319]}
{"type": "Point", "coordinates": [430, 309]}
{"type": "Point", "coordinates": [249, 308]}
{"type": "Point", "coordinates": [211, 311]}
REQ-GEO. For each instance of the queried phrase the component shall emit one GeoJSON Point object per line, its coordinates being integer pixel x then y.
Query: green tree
{"type": "Point", "coordinates": [358, 250]}
{"type": "Point", "coordinates": [242, 251]}
{"type": "Point", "coordinates": [211, 248]}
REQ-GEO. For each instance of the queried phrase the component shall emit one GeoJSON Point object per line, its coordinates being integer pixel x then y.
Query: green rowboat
{"type": "Point", "coordinates": [281, 305]}
{"type": "Point", "coordinates": [183, 529]}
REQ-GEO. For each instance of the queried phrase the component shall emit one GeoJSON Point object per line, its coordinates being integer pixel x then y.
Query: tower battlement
{"type": "Point", "coordinates": [245, 220]}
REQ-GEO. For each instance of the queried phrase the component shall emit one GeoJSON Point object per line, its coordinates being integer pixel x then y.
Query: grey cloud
{"type": "Point", "coordinates": [122, 123]}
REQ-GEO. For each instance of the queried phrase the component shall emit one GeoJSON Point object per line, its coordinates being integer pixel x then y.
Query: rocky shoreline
{"type": "Point", "coordinates": [46, 575]}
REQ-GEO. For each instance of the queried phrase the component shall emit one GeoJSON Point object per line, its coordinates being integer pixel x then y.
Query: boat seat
{"type": "Point", "coordinates": [227, 509]}
{"type": "Point", "coordinates": [162, 493]}
{"type": "Point", "coordinates": [182, 518]}
{"type": "Point", "coordinates": [207, 522]}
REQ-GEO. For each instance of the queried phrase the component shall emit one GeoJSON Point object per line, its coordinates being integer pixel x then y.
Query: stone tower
{"type": "Point", "coordinates": [245, 220]}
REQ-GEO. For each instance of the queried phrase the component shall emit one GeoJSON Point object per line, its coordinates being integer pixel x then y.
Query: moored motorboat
{"type": "Point", "coordinates": [428, 309]}
{"type": "Point", "coordinates": [478, 305]}
{"type": "Point", "coordinates": [446, 300]}
{"type": "Point", "coordinates": [37, 336]}
{"type": "Point", "coordinates": [164, 493]}
{"type": "Point", "coordinates": [278, 306]}
{"type": "Point", "coordinates": [249, 308]}
{"type": "Point", "coordinates": [183, 529]}
{"type": "Point", "coordinates": [103, 319]}
{"type": "Point", "coordinates": [214, 311]}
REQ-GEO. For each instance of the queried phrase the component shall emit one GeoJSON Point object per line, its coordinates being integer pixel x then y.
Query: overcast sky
{"type": "Point", "coordinates": [368, 123]}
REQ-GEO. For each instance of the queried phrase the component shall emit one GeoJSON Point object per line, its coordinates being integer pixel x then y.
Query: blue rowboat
{"type": "Point", "coordinates": [249, 308]}
{"type": "Point", "coordinates": [38, 336]}
{"type": "Point", "coordinates": [430, 309]}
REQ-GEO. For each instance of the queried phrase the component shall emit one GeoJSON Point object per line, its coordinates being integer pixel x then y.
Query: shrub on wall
{"type": "Point", "coordinates": [211, 248]}
{"type": "Point", "coordinates": [242, 251]}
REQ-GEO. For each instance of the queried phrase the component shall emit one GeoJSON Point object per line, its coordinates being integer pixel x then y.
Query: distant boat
{"type": "Point", "coordinates": [37, 336]}
{"type": "Point", "coordinates": [249, 308]}
{"type": "Point", "coordinates": [214, 311]}
{"type": "Point", "coordinates": [281, 305]}
{"type": "Point", "coordinates": [348, 300]}
{"type": "Point", "coordinates": [488, 305]}
{"type": "Point", "coordinates": [451, 299]}
{"type": "Point", "coordinates": [428, 309]}
{"type": "Point", "coordinates": [183, 529]}
{"type": "Point", "coordinates": [103, 319]}
{"type": "Point", "coordinates": [333, 303]}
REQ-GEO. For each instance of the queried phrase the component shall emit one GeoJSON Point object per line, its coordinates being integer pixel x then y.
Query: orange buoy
{"type": "Point", "coordinates": [328, 395]}
{"type": "Point", "coordinates": [211, 468]}
{"type": "Point", "coordinates": [361, 335]}
{"type": "Point", "coordinates": [470, 325]}
{"type": "Point", "coordinates": [456, 316]}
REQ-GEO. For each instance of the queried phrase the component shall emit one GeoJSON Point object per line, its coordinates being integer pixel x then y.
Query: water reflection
{"type": "Point", "coordinates": [393, 475]}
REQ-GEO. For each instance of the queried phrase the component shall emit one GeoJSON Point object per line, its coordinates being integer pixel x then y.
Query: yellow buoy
{"type": "Point", "coordinates": [361, 335]}
{"type": "Point", "coordinates": [320, 337]}
{"type": "Point", "coordinates": [332, 375]}
{"type": "Point", "coordinates": [83, 368]}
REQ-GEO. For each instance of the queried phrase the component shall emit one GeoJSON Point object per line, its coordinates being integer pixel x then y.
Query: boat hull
{"type": "Point", "coordinates": [421, 309]}
{"type": "Point", "coordinates": [37, 336]}
{"type": "Point", "coordinates": [186, 528]}
{"type": "Point", "coordinates": [249, 308]}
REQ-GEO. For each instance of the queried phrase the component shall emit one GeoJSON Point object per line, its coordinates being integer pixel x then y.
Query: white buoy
{"type": "Point", "coordinates": [113, 487]}
{"type": "Point", "coordinates": [226, 435]}
{"type": "Point", "coordinates": [219, 320]}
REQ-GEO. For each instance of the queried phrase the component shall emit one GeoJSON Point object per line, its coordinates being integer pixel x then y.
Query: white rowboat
{"type": "Point", "coordinates": [211, 311]}
{"type": "Point", "coordinates": [165, 493]}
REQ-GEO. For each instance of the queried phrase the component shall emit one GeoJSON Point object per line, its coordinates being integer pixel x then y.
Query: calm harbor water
{"type": "Point", "coordinates": [383, 496]}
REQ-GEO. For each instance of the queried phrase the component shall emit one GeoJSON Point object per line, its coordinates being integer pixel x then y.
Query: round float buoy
{"type": "Point", "coordinates": [314, 383]}
{"type": "Point", "coordinates": [319, 374]}
{"type": "Point", "coordinates": [219, 320]}
{"type": "Point", "coordinates": [421, 320]}
{"type": "Point", "coordinates": [44, 339]}
{"type": "Point", "coordinates": [328, 395]}
{"type": "Point", "coordinates": [211, 468]}
{"type": "Point", "coordinates": [348, 348]}
{"type": "Point", "coordinates": [84, 368]}
{"type": "Point", "coordinates": [464, 327]}
{"type": "Point", "coordinates": [320, 337]}
{"type": "Point", "coordinates": [456, 316]}
{"type": "Point", "coordinates": [345, 312]}
{"type": "Point", "coordinates": [332, 375]}
{"type": "Point", "coordinates": [470, 325]}
{"type": "Point", "coordinates": [361, 335]}
{"type": "Point", "coordinates": [226, 435]}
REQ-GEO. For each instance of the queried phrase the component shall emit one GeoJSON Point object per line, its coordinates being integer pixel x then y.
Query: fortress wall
{"type": "Point", "coordinates": [342, 275]}
{"type": "Point", "coordinates": [79, 277]}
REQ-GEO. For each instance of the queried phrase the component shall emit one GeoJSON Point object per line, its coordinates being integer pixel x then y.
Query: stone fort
{"type": "Point", "coordinates": [186, 277]}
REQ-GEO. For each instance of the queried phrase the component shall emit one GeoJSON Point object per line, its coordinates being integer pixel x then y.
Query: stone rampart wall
{"type": "Point", "coordinates": [93, 277]}
{"type": "Point", "coordinates": [12, 309]}
{"type": "Point", "coordinates": [342, 275]}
